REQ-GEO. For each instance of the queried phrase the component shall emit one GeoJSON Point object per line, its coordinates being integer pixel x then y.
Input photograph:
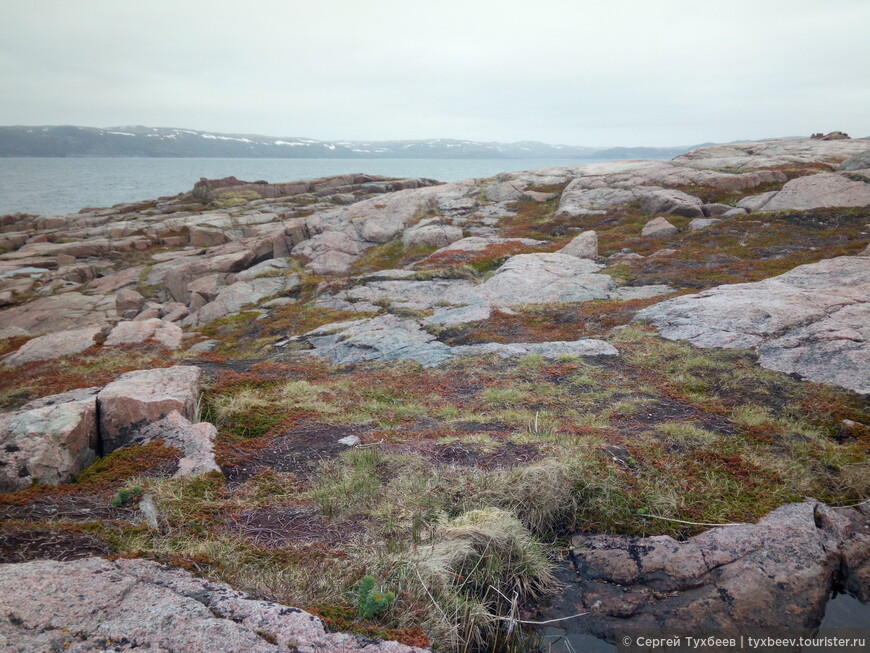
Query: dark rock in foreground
{"type": "Point", "coordinates": [778, 573]}
{"type": "Point", "coordinates": [96, 605]}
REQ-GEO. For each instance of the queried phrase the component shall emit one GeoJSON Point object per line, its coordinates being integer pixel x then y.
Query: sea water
{"type": "Point", "coordinates": [50, 186]}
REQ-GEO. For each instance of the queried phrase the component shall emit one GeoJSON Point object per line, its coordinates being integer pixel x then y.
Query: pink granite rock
{"type": "Point", "coordinates": [48, 440]}
{"type": "Point", "coordinates": [167, 334]}
{"type": "Point", "coordinates": [136, 399]}
{"type": "Point", "coordinates": [83, 604]}
{"type": "Point", "coordinates": [54, 345]}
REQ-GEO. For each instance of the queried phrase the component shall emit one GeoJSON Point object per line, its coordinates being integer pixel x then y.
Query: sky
{"type": "Point", "coordinates": [576, 72]}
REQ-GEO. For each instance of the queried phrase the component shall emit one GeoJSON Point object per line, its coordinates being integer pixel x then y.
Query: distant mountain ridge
{"type": "Point", "coordinates": [139, 141]}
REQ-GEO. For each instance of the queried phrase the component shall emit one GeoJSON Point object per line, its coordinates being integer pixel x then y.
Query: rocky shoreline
{"type": "Point", "coordinates": [247, 344]}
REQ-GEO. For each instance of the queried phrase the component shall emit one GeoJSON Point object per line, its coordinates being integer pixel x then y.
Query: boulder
{"type": "Point", "coordinates": [208, 286]}
{"type": "Point", "coordinates": [701, 223]}
{"type": "Point", "coordinates": [385, 337]}
{"type": "Point", "coordinates": [202, 236]}
{"type": "Point", "coordinates": [859, 161]}
{"type": "Point", "coordinates": [578, 199]}
{"type": "Point", "coordinates": [271, 265]}
{"type": "Point", "coordinates": [195, 441]}
{"type": "Point", "coordinates": [48, 440]}
{"type": "Point", "coordinates": [543, 278]}
{"type": "Point", "coordinates": [714, 209]}
{"type": "Point", "coordinates": [69, 310]}
{"type": "Point", "coordinates": [167, 334]}
{"type": "Point", "coordinates": [778, 573]}
{"type": "Point", "coordinates": [659, 228]}
{"type": "Point", "coordinates": [813, 320]}
{"type": "Point", "coordinates": [433, 235]}
{"type": "Point", "coordinates": [671, 202]}
{"type": "Point", "coordinates": [92, 604]}
{"type": "Point", "coordinates": [55, 345]}
{"type": "Point", "coordinates": [756, 202]}
{"type": "Point", "coordinates": [242, 293]}
{"type": "Point", "coordinates": [813, 191]}
{"type": "Point", "coordinates": [136, 399]}
{"type": "Point", "coordinates": [583, 246]}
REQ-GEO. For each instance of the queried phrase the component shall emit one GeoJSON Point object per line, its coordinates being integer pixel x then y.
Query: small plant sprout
{"type": "Point", "coordinates": [369, 602]}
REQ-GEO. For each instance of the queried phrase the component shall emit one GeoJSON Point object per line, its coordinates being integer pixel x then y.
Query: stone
{"type": "Point", "coordinates": [814, 191]}
{"type": "Point", "coordinates": [714, 209]}
{"type": "Point", "coordinates": [701, 223]}
{"type": "Point", "coordinates": [207, 237]}
{"type": "Point", "coordinates": [350, 441]}
{"type": "Point", "coordinates": [578, 199]}
{"type": "Point", "coordinates": [756, 202]}
{"type": "Point", "coordinates": [195, 441]}
{"type": "Point", "coordinates": [165, 333]}
{"type": "Point", "coordinates": [659, 228]}
{"type": "Point", "coordinates": [80, 605]}
{"type": "Point", "coordinates": [269, 266]}
{"type": "Point", "coordinates": [66, 311]}
{"type": "Point", "coordinates": [48, 440]}
{"type": "Point", "coordinates": [208, 287]}
{"type": "Point", "coordinates": [388, 337]}
{"type": "Point", "coordinates": [55, 345]}
{"type": "Point", "coordinates": [777, 573]}
{"type": "Point", "coordinates": [865, 251]}
{"type": "Point", "coordinates": [138, 398]}
{"type": "Point", "coordinates": [235, 297]}
{"type": "Point", "coordinates": [859, 161]}
{"type": "Point", "coordinates": [480, 243]}
{"type": "Point", "coordinates": [735, 211]}
{"type": "Point", "coordinates": [204, 345]}
{"type": "Point", "coordinates": [813, 320]}
{"type": "Point", "coordinates": [385, 337]}
{"type": "Point", "coordinates": [435, 235]}
{"type": "Point", "coordinates": [551, 349]}
{"type": "Point", "coordinates": [671, 202]}
{"type": "Point", "coordinates": [584, 245]}
{"type": "Point", "coordinates": [543, 278]}
{"type": "Point", "coordinates": [662, 253]}
{"type": "Point", "coordinates": [13, 332]}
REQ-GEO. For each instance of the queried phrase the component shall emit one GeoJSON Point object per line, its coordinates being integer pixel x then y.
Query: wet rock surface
{"type": "Point", "coordinates": [779, 572]}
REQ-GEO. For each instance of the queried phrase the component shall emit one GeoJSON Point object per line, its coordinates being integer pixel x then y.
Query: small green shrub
{"type": "Point", "coordinates": [126, 495]}
{"type": "Point", "coordinates": [369, 602]}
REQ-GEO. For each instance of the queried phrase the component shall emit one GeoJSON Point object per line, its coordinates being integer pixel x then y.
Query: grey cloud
{"type": "Point", "coordinates": [577, 72]}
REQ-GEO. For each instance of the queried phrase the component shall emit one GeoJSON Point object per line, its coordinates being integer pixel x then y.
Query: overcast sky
{"type": "Point", "coordinates": [609, 72]}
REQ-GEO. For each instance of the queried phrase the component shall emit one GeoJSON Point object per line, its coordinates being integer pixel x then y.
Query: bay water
{"type": "Point", "coordinates": [51, 186]}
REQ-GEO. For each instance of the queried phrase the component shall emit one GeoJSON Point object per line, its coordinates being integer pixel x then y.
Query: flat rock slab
{"type": "Point", "coordinates": [94, 605]}
{"type": "Point", "coordinates": [54, 345]}
{"type": "Point", "coordinates": [813, 320]}
{"type": "Point", "coordinates": [388, 337]}
{"type": "Point", "coordinates": [820, 190]}
{"type": "Point", "coordinates": [165, 333]}
{"type": "Point", "coordinates": [136, 399]}
{"type": "Point", "coordinates": [777, 573]}
{"type": "Point", "coordinates": [48, 440]}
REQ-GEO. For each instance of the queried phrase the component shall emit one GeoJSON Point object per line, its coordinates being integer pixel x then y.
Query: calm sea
{"type": "Point", "coordinates": [51, 186]}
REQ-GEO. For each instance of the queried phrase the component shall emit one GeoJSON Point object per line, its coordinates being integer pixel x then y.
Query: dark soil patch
{"type": "Point", "coordinates": [548, 322]}
{"type": "Point", "coordinates": [666, 410]}
{"type": "Point", "coordinates": [24, 545]}
{"type": "Point", "coordinates": [464, 454]}
{"type": "Point", "coordinates": [69, 507]}
{"type": "Point", "coordinates": [299, 450]}
{"type": "Point", "coordinates": [277, 527]}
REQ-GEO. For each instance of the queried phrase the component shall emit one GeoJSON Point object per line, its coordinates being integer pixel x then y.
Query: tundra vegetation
{"type": "Point", "coordinates": [446, 521]}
